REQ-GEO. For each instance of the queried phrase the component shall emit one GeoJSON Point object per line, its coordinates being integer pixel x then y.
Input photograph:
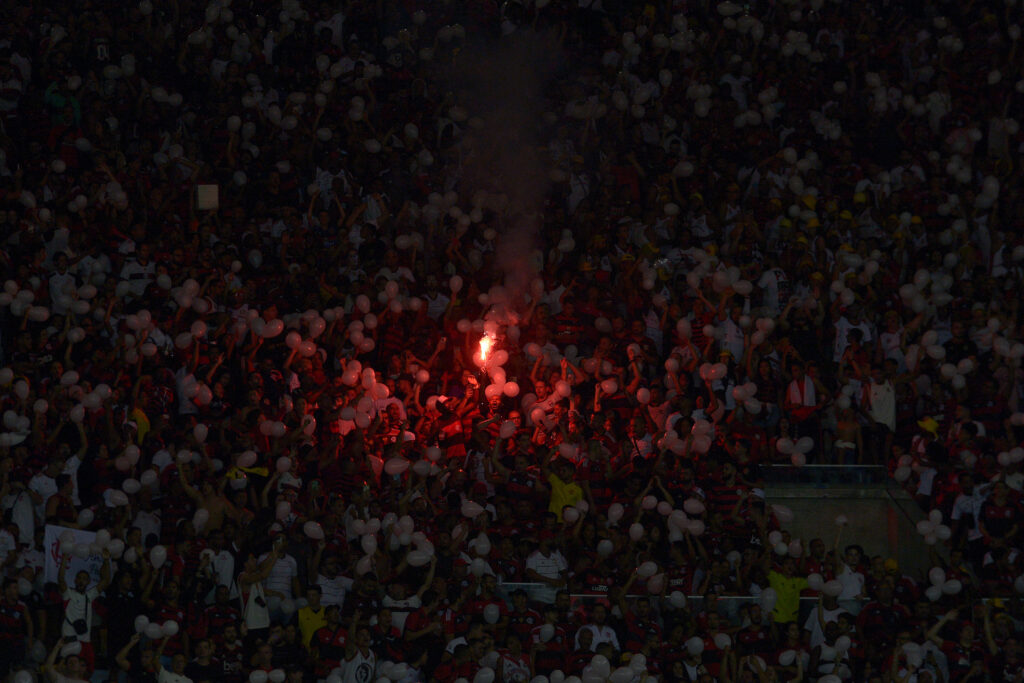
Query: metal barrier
{"type": "Point", "coordinates": [728, 606]}
{"type": "Point", "coordinates": [825, 474]}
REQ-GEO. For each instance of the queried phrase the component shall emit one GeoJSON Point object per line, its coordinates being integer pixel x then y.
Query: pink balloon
{"type": "Point", "coordinates": [396, 466]}
{"type": "Point", "coordinates": [615, 512]}
{"type": "Point", "coordinates": [273, 328]}
{"type": "Point", "coordinates": [417, 558]}
{"type": "Point", "coordinates": [364, 565]}
{"type": "Point", "coordinates": [368, 544]}
{"type": "Point", "coordinates": [317, 327]}
{"type": "Point", "coordinates": [636, 531]}
{"type": "Point", "coordinates": [204, 395]}
{"type": "Point", "coordinates": [157, 556]}
{"type": "Point", "coordinates": [471, 509]}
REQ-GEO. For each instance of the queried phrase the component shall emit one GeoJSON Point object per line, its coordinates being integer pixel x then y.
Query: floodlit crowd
{"type": "Point", "coordinates": [449, 341]}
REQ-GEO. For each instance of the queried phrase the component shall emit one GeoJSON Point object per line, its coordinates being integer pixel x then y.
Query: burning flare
{"type": "Point", "coordinates": [486, 342]}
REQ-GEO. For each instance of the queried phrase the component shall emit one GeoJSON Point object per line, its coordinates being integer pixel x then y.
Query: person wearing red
{"type": "Point", "coordinates": [486, 596]}
{"type": "Point", "coordinates": [327, 646]}
{"type": "Point", "coordinates": [460, 665]}
{"type": "Point", "coordinates": [424, 631]}
{"type": "Point", "coordinates": [16, 628]}
{"type": "Point", "coordinates": [549, 643]}
{"type": "Point", "coordinates": [966, 654]}
{"type": "Point", "coordinates": [998, 520]}
{"type": "Point", "coordinates": [522, 618]}
{"type": "Point", "coordinates": [641, 622]}
{"type": "Point", "coordinates": [882, 618]}
{"type": "Point", "coordinates": [514, 665]}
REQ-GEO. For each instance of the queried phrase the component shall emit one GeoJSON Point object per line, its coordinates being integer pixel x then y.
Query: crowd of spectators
{"type": "Point", "coordinates": [450, 341]}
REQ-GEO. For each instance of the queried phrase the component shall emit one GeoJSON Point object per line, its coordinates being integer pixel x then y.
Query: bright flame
{"type": "Point", "coordinates": [486, 342]}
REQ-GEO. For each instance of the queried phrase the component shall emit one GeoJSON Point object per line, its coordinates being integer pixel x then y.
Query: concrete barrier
{"type": "Point", "coordinates": [882, 519]}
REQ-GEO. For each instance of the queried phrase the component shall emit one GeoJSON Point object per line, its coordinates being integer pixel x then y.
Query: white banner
{"type": "Point", "coordinates": [51, 542]}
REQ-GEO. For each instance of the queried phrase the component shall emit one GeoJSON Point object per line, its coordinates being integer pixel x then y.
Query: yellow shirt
{"type": "Point", "coordinates": [309, 621]}
{"type": "Point", "coordinates": [787, 604]}
{"type": "Point", "coordinates": [142, 422]}
{"type": "Point", "coordinates": [563, 494]}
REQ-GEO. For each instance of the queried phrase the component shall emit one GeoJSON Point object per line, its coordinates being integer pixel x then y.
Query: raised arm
{"type": "Point", "coordinates": [104, 572]}
{"type": "Point", "coordinates": [933, 632]}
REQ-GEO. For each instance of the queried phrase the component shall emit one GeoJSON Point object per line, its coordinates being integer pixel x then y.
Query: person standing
{"type": "Point", "coordinates": [16, 628]}
{"type": "Point", "coordinates": [879, 403]}
{"type": "Point", "coordinates": [360, 663]}
{"type": "Point", "coordinates": [78, 611]}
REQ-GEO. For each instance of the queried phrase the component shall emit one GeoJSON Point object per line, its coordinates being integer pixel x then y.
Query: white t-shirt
{"type": "Point", "coordinates": [882, 403]}
{"type": "Point", "coordinates": [138, 276]}
{"type": "Point", "coordinates": [436, 305]}
{"type": "Point", "coordinates": [170, 677]}
{"type": "Point", "coordinates": [400, 609]}
{"type": "Point", "coordinates": [969, 506]}
{"type": "Point", "coordinates": [814, 628]}
{"type": "Point", "coordinates": [843, 327]}
{"type": "Point", "coordinates": [166, 676]}
{"type": "Point", "coordinates": [61, 678]}
{"type": "Point", "coordinates": [359, 669]}
{"type": "Point", "coordinates": [148, 523]}
{"type": "Point", "coordinates": [602, 634]}
{"type": "Point", "coordinates": [333, 591]}
{"type": "Point", "coordinates": [550, 567]}
{"type": "Point", "coordinates": [60, 285]}
{"type": "Point", "coordinates": [281, 575]}
{"type": "Point", "coordinates": [223, 564]}
{"type": "Point", "coordinates": [853, 583]}
{"type": "Point", "coordinates": [45, 486]}
{"type": "Point", "coordinates": [78, 606]}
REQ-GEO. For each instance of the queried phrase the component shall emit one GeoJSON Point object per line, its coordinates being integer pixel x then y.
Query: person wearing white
{"type": "Point", "coordinates": [847, 574]}
{"type": "Point", "coordinates": [603, 633]}
{"type": "Point", "coordinates": [879, 398]}
{"type": "Point", "coordinates": [138, 273]}
{"type": "Point", "coordinates": [283, 580]}
{"type": "Point", "coordinates": [72, 670]}
{"type": "Point", "coordinates": [360, 663]}
{"type": "Point", "coordinates": [546, 565]}
{"type": "Point", "coordinates": [284, 577]}
{"type": "Point", "coordinates": [820, 616]}
{"type": "Point", "coordinates": [177, 671]}
{"type": "Point", "coordinates": [77, 623]}
{"type": "Point", "coordinates": [967, 509]}
{"type": "Point", "coordinates": [44, 485]}
{"type": "Point", "coordinates": [61, 284]}
{"type": "Point", "coordinates": [843, 327]}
